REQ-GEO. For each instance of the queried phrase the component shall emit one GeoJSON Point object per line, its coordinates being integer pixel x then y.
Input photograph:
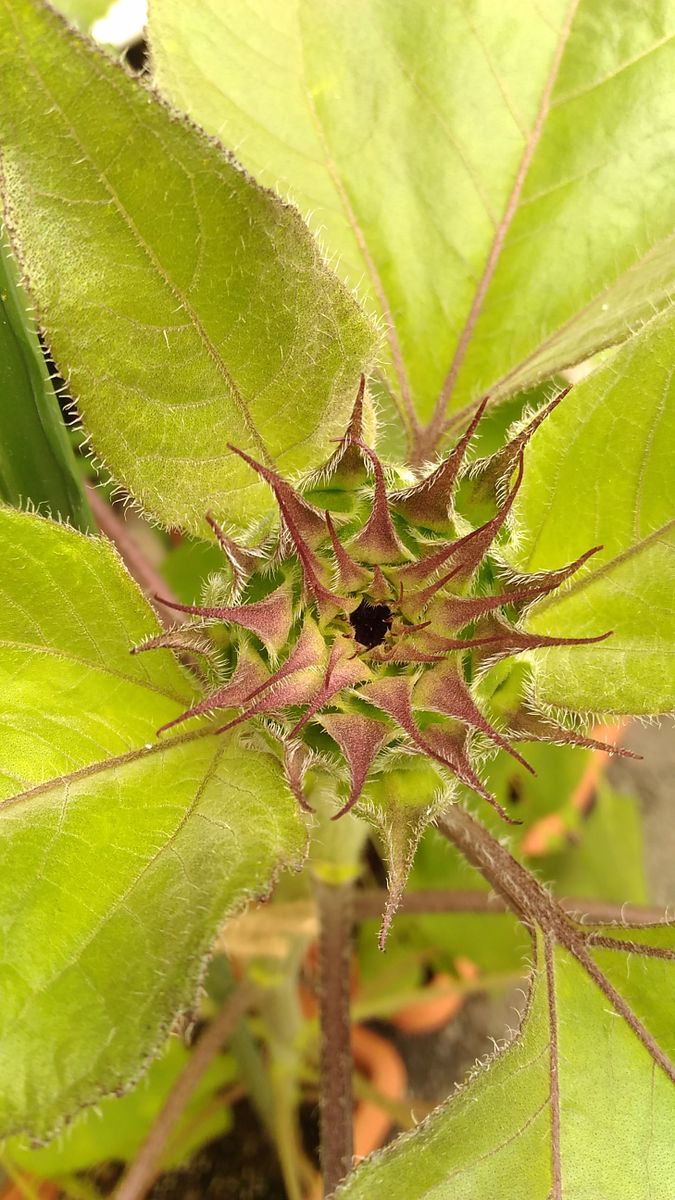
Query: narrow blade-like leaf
{"type": "Point", "coordinates": [37, 464]}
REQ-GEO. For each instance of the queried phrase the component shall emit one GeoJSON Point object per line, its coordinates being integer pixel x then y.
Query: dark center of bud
{"type": "Point", "coordinates": [371, 623]}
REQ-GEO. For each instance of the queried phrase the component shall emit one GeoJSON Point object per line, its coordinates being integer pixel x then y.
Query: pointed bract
{"type": "Point", "coordinates": [296, 512]}
{"type": "Point", "coordinates": [243, 562]}
{"type": "Point", "coordinates": [343, 671]}
{"type": "Point", "coordinates": [353, 578]}
{"type": "Point", "coordinates": [443, 690]}
{"type": "Point", "coordinates": [487, 472]}
{"type": "Point", "coordinates": [270, 619]}
{"type": "Point", "coordinates": [308, 651]}
{"type": "Point", "coordinates": [297, 758]}
{"type": "Point", "coordinates": [527, 726]}
{"type": "Point", "coordinates": [359, 738]}
{"type": "Point", "coordinates": [394, 696]}
{"type": "Point", "coordinates": [249, 675]}
{"type": "Point", "coordinates": [378, 541]}
{"type": "Point", "coordinates": [346, 466]}
{"type": "Point", "coordinates": [429, 502]}
{"type": "Point", "coordinates": [183, 640]}
{"type": "Point", "coordinates": [298, 688]}
{"type": "Point", "coordinates": [522, 590]}
{"type": "Point", "coordinates": [466, 552]}
{"type": "Point", "coordinates": [502, 640]}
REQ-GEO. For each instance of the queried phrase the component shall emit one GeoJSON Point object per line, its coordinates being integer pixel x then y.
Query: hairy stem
{"type": "Point", "coordinates": [139, 1178]}
{"type": "Point", "coordinates": [335, 905]}
{"type": "Point", "coordinates": [517, 887]}
{"type": "Point", "coordinates": [133, 557]}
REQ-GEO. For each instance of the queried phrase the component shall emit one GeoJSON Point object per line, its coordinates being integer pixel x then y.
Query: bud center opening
{"type": "Point", "coordinates": [371, 623]}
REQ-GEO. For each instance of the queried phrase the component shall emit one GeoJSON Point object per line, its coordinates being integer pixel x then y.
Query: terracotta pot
{"type": "Point", "coordinates": [381, 1062]}
{"type": "Point", "coordinates": [436, 1010]}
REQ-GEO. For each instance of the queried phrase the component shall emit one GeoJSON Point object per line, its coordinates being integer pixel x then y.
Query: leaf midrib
{"type": "Point", "coordinates": [504, 224]}
{"type": "Point", "coordinates": [102, 765]}
{"type": "Point", "coordinates": [100, 667]}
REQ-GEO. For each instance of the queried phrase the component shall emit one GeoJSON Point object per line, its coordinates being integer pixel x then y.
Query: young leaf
{"type": "Point", "coordinates": [37, 464]}
{"type": "Point", "coordinates": [187, 306]}
{"type": "Point", "coordinates": [580, 1105]}
{"type": "Point", "coordinates": [120, 853]}
{"type": "Point", "coordinates": [600, 470]}
{"type": "Point", "coordinates": [478, 168]}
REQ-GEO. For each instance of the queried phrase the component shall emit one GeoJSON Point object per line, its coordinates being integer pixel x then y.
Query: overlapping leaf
{"type": "Point", "coordinates": [480, 170]}
{"type": "Point", "coordinates": [187, 306]}
{"type": "Point", "coordinates": [37, 464]}
{"type": "Point", "coordinates": [600, 470]}
{"type": "Point", "coordinates": [119, 854]}
{"type": "Point", "coordinates": [580, 1106]}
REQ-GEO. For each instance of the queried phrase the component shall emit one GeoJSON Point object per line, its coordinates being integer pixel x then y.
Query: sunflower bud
{"type": "Point", "coordinates": [355, 635]}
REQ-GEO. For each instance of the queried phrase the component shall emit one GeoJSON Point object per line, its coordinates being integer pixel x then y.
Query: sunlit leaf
{"type": "Point", "coordinates": [187, 307]}
{"type": "Point", "coordinates": [120, 854]}
{"type": "Point", "coordinates": [600, 471]}
{"type": "Point", "coordinates": [478, 168]}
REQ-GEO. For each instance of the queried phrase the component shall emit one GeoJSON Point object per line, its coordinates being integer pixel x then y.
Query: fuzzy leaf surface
{"type": "Point", "coordinates": [37, 464]}
{"type": "Point", "coordinates": [187, 306]}
{"type": "Point", "coordinates": [478, 171]}
{"type": "Point", "coordinates": [600, 470]}
{"type": "Point", "coordinates": [120, 854]}
{"type": "Point", "coordinates": [578, 1106]}
{"type": "Point", "coordinates": [118, 1126]}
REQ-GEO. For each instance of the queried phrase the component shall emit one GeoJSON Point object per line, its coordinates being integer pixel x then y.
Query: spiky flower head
{"type": "Point", "coordinates": [354, 635]}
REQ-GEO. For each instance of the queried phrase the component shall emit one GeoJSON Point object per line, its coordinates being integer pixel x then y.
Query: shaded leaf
{"type": "Point", "coordinates": [119, 1126]}
{"type": "Point", "coordinates": [580, 1105]}
{"type": "Point", "coordinates": [186, 306]}
{"type": "Point", "coordinates": [37, 464]}
{"type": "Point", "coordinates": [120, 855]}
{"type": "Point", "coordinates": [479, 172]}
{"type": "Point", "coordinates": [600, 470]}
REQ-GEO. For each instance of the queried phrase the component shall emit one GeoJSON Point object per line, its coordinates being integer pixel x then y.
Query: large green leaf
{"type": "Point", "coordinates": [37, 464]}
{"type": "Point", "coordinates": [600, 470]}
{"type": "Point", "coordinates": [581, 1106]}
{"type": "Point", "coordinates": [119, 854]}
{"type": "Point", "coordinates": [187, 306]}
{"type": "Point", "coordinates": [479, 168]}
